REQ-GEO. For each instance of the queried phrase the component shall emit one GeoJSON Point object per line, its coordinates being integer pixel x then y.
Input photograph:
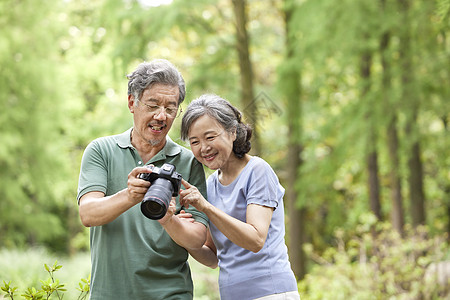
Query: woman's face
{"type": "Point", "coordinates": [211, 144]}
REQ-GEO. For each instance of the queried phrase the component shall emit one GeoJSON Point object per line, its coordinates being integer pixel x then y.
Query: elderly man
{"type": "Point", "coordinates": [134, 257]}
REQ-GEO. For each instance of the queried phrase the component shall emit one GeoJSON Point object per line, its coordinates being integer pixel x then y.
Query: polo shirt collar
{"type": "Point", "coordinates": [170, 149]}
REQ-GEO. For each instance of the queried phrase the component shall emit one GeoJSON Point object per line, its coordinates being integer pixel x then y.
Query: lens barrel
{"type": "Point", "coordinates": [157, 199]}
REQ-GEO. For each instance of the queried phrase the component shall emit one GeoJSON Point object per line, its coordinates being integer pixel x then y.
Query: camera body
{"type": "Point", "coordinates": [165, 184]}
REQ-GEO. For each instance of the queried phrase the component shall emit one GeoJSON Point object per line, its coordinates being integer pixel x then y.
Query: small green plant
{"type": "Point", "coordinates": [49, 287]}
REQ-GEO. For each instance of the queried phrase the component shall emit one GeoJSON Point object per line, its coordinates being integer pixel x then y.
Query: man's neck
{"type": "Point", "coordinates": [146, 149]}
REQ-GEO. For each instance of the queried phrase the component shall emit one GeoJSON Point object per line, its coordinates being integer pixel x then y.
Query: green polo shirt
{"type": "Point", "coordinates": [133, 257]}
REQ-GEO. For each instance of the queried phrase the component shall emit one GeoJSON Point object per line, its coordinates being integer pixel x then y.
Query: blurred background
{"type": "Point", "coordinates": [349, 101]}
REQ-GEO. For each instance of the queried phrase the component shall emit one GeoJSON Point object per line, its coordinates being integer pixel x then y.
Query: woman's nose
{"type": "Point", "coordinates": [205, 147]}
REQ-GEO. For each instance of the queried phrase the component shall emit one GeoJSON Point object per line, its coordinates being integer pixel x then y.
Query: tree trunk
{"type": "Point", "coordinates": [250, 106]}
{"type": "Point", "coordinates": [372, 155]}
{"type": "Point", "coordinates": [415, 177]}
{"type": "Point", "coordinates": [290, 80]}
{"type": "Point", "coordinates": [397, 217]}
{"type": "Point", "coordinates": [415, 180]}
{"type": "Point", "coordinates": [446, 184]}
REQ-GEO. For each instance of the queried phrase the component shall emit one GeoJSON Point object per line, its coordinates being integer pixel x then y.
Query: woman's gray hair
{"type": "Point", "coordinates": [225, 114]}
{"type": "Point", "coordinates": [155, 71]}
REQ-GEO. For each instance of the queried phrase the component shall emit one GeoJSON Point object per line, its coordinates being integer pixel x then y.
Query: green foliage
{"type": "Point", "coordinates": [49, 287]}
{"type": "Point", "coordinates": [25, 269]}
{"type": "Point", "coordinates": [377, 263]}
{"type": "Point", "coordinates": [31, 99]}
{"type": "Point", "coordinates": [62, 84]}
{"type": "Point", "coordinates": [9, 290]}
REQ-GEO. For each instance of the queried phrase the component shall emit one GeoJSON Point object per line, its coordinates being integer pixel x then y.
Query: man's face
{"type": "Point", "coordinates": [152, 118]}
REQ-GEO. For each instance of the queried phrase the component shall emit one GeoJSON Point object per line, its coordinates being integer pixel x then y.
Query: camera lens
{"type": "Point", "coordinates": [157, 199]}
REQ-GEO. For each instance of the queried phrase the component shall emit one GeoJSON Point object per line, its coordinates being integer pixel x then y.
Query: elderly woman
{"type": "Point", "coordinates": [245, 208]}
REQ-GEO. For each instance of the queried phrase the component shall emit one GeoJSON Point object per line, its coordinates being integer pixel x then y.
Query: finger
{"type": "Point", "coordinates": [183, 214]}
{"type": "Point", "coordinates": [185, 183]}
{"type": "Point", "coordinates": [172, 207]}
{"type": "Point", "coordinates": [136, 171]}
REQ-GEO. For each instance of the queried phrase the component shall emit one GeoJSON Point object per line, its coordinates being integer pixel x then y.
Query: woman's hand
{"type": "Point", "coordinates": [192, 196]}
{"type": "Point", "coordinates": [184, 216]}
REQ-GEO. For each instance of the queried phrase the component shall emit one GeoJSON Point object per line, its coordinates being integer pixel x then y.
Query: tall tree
{"type": "Point", "coordinates": [397, 217]}
{"type": "Point", "coordinates": [372, 154]}
{"type": "Point", "coordinates": [443, 12]}
{"type": "Point", "coordinates": [246, 70]}
{"type": "Point", "coordinates": [290, 87]}
{"type": "Point", "coordinates": [412, 101]}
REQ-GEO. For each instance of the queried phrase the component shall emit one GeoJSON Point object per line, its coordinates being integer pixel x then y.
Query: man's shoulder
{"type": "Point", "coordinates": [121, 139]}
{"type": "Point", "coordinates": [179, 149]}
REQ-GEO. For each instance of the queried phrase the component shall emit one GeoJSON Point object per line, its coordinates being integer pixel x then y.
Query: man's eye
{"type": "Point", "coordinates": [153, 107]}
{"type": "Point", "coordinates": [211, 138]}
{"type": "Point", "coordinates": [194, 143]}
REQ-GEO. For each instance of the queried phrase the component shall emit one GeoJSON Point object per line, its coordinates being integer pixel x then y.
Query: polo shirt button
{"type": "Point", "coordinates": [140, 162]}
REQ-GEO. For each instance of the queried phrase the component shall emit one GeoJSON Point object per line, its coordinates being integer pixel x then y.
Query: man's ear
{"type": "Point", "coordinates": [131, 102]}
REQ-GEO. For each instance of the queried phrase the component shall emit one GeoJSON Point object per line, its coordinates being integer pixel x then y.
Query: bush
{"type": "Point", "coordinates": [26, 269]}
{"type": "Point", "coordinates": [378, 263]}
{"type": "Point", "coordinates": [49, 287]}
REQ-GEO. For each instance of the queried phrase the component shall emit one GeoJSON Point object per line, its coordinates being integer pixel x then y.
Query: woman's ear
{"type": "Point", "coordinates": [234, 134]}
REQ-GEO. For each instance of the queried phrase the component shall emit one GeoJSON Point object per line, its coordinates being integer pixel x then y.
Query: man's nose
{"type": "Point", "coordinates": [160, 114]}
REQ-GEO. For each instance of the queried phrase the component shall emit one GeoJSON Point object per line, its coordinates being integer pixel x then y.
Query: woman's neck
{"type": "Point", "coordinates": [234, 167]}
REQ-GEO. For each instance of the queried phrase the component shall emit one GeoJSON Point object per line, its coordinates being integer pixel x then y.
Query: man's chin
{"type": "Point", "coordinates": [155, 142]}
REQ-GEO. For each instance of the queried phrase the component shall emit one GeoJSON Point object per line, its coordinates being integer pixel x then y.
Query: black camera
{"type": "Point", "coordinates": [165, 184]}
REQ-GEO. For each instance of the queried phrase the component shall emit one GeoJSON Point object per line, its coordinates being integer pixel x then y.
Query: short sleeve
{"type": "Point", "coordinates": [93, 171]}
{"type": "Point", "coordinates": [263, 187]}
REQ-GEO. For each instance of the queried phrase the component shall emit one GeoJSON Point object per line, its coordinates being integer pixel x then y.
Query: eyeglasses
{"type": "Point", "coordinates": [170, 111]}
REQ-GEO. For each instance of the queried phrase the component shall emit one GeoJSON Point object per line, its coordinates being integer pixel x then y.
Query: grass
{"type": "Point", "coordinates": [26, 268]}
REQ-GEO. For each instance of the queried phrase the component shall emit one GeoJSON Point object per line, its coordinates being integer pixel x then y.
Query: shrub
{"type": "Point", "coordinates": [377, 263]}
{"type": "Point", "coordinates": [49, 287]}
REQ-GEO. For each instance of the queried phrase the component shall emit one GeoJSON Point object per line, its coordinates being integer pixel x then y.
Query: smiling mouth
{"type": "Point", "coordinates": [209, 157]}
{"type": "Point", "coordinates": [157, 128]}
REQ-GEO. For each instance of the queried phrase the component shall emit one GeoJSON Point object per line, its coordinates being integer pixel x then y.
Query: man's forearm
{"type": "Point", "coordinates": [97, 209]}
{"type": "Point", "coordinates": [186, 234]}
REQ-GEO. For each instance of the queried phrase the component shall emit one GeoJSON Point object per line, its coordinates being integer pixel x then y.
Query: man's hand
{"type": "Point", "coordinates": [170, 212]}
{"type": "Point", "coordinates": [137, 187]}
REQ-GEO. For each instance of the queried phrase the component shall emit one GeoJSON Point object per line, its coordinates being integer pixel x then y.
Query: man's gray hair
{"type": "Point", "coordinates": [156, 71]}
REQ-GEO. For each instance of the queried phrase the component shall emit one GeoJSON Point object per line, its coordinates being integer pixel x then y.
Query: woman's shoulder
{"type": "Point", "coordinates": [213, 177]}
{"type": "Point", "coordinates": [256, 163]}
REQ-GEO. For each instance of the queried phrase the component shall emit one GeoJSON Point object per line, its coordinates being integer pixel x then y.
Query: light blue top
{"type": "Point", "coordinates": [244, 274]}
